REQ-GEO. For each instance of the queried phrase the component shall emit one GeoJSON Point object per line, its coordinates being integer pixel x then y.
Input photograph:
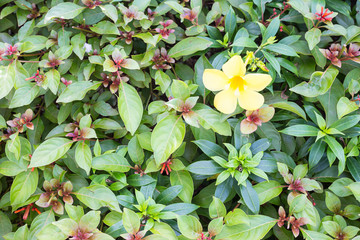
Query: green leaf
{"type": "Point", "coordinates": [189, 226]}
{"type": "Point", "coordinates": [319, 84]}
{"type": "Point", "coordinates": [189, 46]}
{"type": "Point", "coordinates": [163, 80]}
{"type": "Point", "coordinates": [267, 190]}
{"type": "Point", "coordinates": [77, 91]}
{"type": "Point", "coordinates": [292, 107]}
{"type": "Point", "coordinates": [211, 119]}
{"type": "Point", "coordinates": [355, 189]}
{"type": "Point", "coordinates": [77, 43]}
{"type": "Point", "coordinates": [267, 130]}
{"type": "Point", "coordinates": [297, 204]}
{"type": "Point", "coordinates": [282, 49]}
{"type": "Point", "coordinates": [67, 10]}
{"type": "Point", "coordinates": [97, 196]}
{"type": "Point", "coordinates": [10, 168]}
{"type": "Point", "coordinates": [346, 122]}
{"type": "Point", "coordinates": [130, 107]}
{"type": "Point", "coordinates": [244, 42]}
{"type": "Point", "coordinates": [235, 217]}
{"type": "Point", "coordinates": [217, 208]}
{"type": "Point", "coordinates": [111, 162]}
{"type": "Point", "coordinates": [230, 22]}
{"type": "Point", "coordinates": [166, 196]}
{"type": "Point", "coordinates": [272, 29]}
{"type": "Point", "coordinates": [320, 59]}
{"type": "Point", "coordinates": [40, 222]}
{"type": "Point", "coordinates": [257, 228]}
{"type": "Point", "coordinates": [175, 6]}
{"type": "Point", "coordinates": [301, 130]}
{"type": "Point", "coordinates": [250, 197]}
{"type": "Point", "coordinates": [204, 168]}
{"type": "Point", "coordinates": [135, 151]}
{"type": "Point", "coordinates": [105, 109]}
{"type": "Point", "coordinates": [110, 11]}
{"type": "Point", "coordinates": [313, 37]}
{"type": "Point", "coordinates": [316, 152]}
{"type": "Point", "coordinates": [211, 149]}
{"type": "Point", "coordinates": [6, 226]}
{"type": "Point", "coordinates": [107, 124]}
{"type": "Point", "coordinates": [339, 187]}
{"type": "Point", "coordinates": [67, 226]}
{"type": "Point", "coordinates": [131, 221]}
{"type": "Point", "coordinates": [184, 179]}
{"type": "Point", "coordinates": [83, 156]}
{"type": "Point", "coordinates": [313, 235]}
{"type": "Point", "coordinates": [345, 106]}
{"type": "Point", "coordinates": [166, 137]}
{"type": "Point", "coordinates": [50, 151]}
{"type": "Point", "coordinates": [273, 61]}
{"type": "Point", "coordinates": [24, 186]}
{"type": "Point", "coordinates": [332, 202]}
{"type": "Point", "coordinates": [24, 96]}
{"type": "Point", "coordinates": [338, 150]}
{"type": "Point", "coordinates": [53, 80]}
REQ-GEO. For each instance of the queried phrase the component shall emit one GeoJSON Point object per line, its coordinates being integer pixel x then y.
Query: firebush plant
{"type": "Point", "coordinates": [192, 119]}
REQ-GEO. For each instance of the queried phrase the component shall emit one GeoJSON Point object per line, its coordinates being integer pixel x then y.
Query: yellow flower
{"type": "Point", "coordinates": [236, 86]}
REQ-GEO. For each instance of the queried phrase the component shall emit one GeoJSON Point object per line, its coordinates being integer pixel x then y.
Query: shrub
{"type": "Point", "coordinates": [166, 120]}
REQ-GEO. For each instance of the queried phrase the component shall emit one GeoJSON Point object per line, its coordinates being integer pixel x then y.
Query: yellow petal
{"type": "Point", "coordinates": [226, 101]}
{"type": "Point", "coordinates": [257, 81]}
{"type": "Point", "coordinates": [234, 67]}
{"type": "Point", "coordinates": [247, 127]}
{"type": "Point", "coordinates": [250, 100]}
{"type": "Point", "coordinates": [214, 80]}
{"type": "Point", "coordinates": [266, 114]}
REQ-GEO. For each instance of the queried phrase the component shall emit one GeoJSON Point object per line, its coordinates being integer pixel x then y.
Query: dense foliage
{"type": "Point", "coordinates": [164, 120]}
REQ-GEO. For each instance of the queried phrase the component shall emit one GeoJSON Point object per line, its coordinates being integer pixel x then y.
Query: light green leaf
{"type": "Point", "coordinates": [257, 228]}
{"type": "Point", "coordinates": [301, 130]}
{"type": "Point", "coordinates": [130, 107]}
{"type": "Point", "coordinates": [67, 10]}
{"type": "Point", "coordinates": [23, 186]}
{"type": "Point", "coordinates": [105, 27]}
{"type": "Point", "coordinates": [267, 190]}
{"type": "Point", "coordinates": [313, 235]}
{"type": "Point", "coordinates": [166, 137]}
{"type": "Point", "coordinates": [7, 80]}
{"type": "Point", "coordinates": [355, 189]}
{"type": "Point", "coordinates": [110, 11]}
{"type": "Point", "coordinates": [313, 37]}
{"type": "Point", "coordinates": [292, 107]}
{"type": "Point", "coordinates": [282, 49]}
{"type": "Point", "coordinates": [97, 196]}
{"type": "Point", "coordinates": [131, 221]}
{"type": "Point", "coordinates": [345, 106]}
{"type": "Point", "coordinates": [53, 80]}
{"type": "Point", "coordinates": [163, 80]}
{"type": "Point", "coordinates": [111, 162]}
{"type": "Point", "coordinates": [77, 91]}
{"type": "Point", "coordinates": [50, 151]}
{"type": "Point", "coordinates": [24, 96]}
{"type": "Point", "coordinates": [189, 226]}
{"type": "Point", "coordinates": [184, 179]}
{"type": "Point", "coordinates": [189, 46]}
{"type": "Point", "coordinates": [319, 84]}
{"type": "Point", "coordinates": [83, 156]}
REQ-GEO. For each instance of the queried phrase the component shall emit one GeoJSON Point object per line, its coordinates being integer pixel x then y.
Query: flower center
{"type": "Point", "coordinates": [237, 83]}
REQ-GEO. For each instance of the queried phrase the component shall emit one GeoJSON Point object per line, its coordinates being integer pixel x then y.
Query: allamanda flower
{"type": "Point", "coordinates": [236, 86]}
